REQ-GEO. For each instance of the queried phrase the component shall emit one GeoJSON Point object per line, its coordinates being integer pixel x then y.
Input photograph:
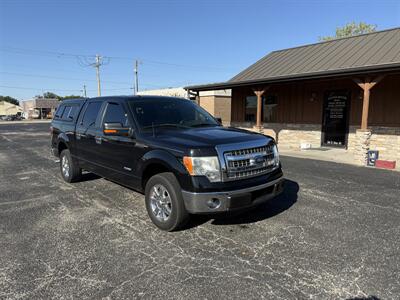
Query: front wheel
{"type": "Point", "coordinates": [164, 202]}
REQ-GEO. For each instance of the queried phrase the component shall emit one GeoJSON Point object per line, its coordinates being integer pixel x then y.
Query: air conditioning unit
{"type": "Point", "coordinates": [305, 146]}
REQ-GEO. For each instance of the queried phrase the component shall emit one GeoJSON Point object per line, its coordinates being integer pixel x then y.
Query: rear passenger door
{"type": "Point", "coordinates": [87, 128]}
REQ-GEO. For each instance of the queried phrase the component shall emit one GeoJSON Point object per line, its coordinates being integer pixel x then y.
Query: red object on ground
{"type": "Point", "coordinates": [385, 164]}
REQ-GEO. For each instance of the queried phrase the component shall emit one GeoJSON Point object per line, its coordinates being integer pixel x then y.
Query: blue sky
{"type": "Point", "coordinates": [178, 42]}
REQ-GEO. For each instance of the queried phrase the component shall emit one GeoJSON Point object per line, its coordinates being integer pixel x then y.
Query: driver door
{"type": "Point", "coordinates": [118, 153]}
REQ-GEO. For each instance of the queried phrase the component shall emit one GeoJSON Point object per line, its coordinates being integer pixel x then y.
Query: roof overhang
{"type": "Point", "coordinates": [365, 70]}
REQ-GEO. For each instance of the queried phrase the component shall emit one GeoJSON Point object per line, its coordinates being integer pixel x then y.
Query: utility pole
{"type": "Point", "coordinates": [84, 90]}
{"type": "Point", "coordinates": [136, 77]}
{"type": "Point", "coordinates": [97, 66]}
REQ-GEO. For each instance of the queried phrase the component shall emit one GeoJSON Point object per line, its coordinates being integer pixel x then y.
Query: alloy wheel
{"type": "Point", "coordinates": [160, 202]}
{"type": "Point", "coordinates": [65, 166]}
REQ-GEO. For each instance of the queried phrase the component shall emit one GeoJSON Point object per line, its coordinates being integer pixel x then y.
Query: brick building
{"type": "Point", "coordinates": [340, 93]}
{"type": "Point", "coordinates": [39, 108]}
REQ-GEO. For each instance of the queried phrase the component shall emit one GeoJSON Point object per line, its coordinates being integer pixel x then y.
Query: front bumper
{"type": "Point", "coordinates": [214, 202]}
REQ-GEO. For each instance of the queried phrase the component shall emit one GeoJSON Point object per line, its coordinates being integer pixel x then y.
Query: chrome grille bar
{"type": "Point", "coordinates": [247, 160]}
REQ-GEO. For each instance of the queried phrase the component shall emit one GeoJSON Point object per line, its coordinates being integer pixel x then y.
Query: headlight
{"type": "Point", "coordinates": [276, 155]}
{"type": "Point", "coordinates": [203, 166]}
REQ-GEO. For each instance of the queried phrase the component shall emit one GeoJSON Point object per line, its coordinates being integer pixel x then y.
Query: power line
{"type": "Point", "coordinates": [42, 52]}
{"type": "Point", "coordinates": [62, 78]}
{"type": "Point", "coordinates": [37, 89]}
{"type": "Point", "coordinates": [83, 59]}
{"type": "Point", "coordinates": [56, 89]}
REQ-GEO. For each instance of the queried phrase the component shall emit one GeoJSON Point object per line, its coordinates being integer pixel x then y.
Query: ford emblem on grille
{"type": "Point", "coordinates": [257, 160]}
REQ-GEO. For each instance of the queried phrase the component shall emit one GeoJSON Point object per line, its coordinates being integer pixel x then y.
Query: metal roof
{"type": "Point", "coordinates": [375, 51]}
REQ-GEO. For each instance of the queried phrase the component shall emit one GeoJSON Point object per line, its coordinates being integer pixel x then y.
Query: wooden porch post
{"type": "Point", "coordinates": [365, 108]}
{"type": "Point", "coordinates": [259, 93]}
{"type": "Point", "coordinates": [367, 85]}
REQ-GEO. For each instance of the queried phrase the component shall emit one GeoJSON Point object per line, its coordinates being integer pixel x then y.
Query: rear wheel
{"type": "Point", "coordinates": [70, 170]}
{"type": "Point", "coordinates": [164, 202]}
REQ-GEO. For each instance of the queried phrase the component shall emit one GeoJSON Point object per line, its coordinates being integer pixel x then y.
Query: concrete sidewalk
{"type": "Point", "coordinates": [326, 154]}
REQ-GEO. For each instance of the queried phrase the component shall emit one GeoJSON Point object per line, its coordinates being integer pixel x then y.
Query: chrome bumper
{"type": "Point", "coordinates": [196, 203]}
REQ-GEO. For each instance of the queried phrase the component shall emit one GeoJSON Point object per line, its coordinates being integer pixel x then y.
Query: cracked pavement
{"type": "Point", "coordinates": [333, 234]}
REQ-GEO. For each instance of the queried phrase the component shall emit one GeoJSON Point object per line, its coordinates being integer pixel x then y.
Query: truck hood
{"type": "Point", "coordinates": [202, 140]}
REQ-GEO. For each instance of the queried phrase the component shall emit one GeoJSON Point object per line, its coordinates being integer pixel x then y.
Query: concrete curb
{"type": "Point", "coordinates": [25, 122]}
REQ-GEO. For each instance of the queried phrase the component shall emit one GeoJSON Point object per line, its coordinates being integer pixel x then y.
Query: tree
{"type": "Point", "coordinates": [350, 29]}
{"type": "Point", "coordinates": [70, 97]}
{"type": "Point", "coordinates": [51, 95]}
{"type": "Point", "coordinates": [9, 99]}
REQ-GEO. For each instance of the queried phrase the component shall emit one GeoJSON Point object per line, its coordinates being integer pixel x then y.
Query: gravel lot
{"type": "Point", "coordinates": [333, 234]}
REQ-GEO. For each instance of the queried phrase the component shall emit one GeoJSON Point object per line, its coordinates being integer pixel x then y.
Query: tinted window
{"type": "Point", "coordinates": [59, 112]}
{"type": "Point", "coordinates": [68, 113]}
{"type": "Point", "coordinates": [270, 107]}
{"type": "Point", "coordinates": [250, 109]}
{"type": "Point", "coordinates": [115, 113]}
{"type": "Point", "coordinates": [92, 110]}
{"type": "Point", "coordinates": [73, 112]}
{"type": "Point", "coordinates": [170, 111]}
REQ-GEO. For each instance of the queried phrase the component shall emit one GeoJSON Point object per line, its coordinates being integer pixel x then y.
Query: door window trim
{"type": "Point", "coordinates": [131, 122]}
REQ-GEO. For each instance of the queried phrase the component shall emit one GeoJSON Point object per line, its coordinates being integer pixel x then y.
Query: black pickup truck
{"type": "Point", "coordinates": [171, 149]}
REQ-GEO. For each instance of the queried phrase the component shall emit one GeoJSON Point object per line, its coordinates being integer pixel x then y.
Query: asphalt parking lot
{"type": "Point", "coordinates": [333, 234]}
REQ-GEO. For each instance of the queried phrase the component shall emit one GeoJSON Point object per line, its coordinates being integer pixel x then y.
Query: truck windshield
{"type": "Point", "coordinates": [170, 112]}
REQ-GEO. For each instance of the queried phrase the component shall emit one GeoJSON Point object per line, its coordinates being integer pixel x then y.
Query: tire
{"type": "Point", "coordinates": [69, 168]}
{"type": "Point", "coordinates": [163, 195]}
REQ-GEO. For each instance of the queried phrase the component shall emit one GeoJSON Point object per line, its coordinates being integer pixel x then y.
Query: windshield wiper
{"type": "Point", "coordinates": [165, 125]}
{"type": "Point", "coordinates": [203, 125]}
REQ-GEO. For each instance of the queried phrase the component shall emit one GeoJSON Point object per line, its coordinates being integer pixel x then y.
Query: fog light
{"type": "Point", "coordinates": [214, 203]}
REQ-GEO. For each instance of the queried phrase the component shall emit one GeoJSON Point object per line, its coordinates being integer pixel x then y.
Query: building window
{"type": "Point", "coordinates": [251, 109]}
{"type": "Point", "coordinates": [270, 102]}
{"type": "Point", "coordinates": [269, 106]}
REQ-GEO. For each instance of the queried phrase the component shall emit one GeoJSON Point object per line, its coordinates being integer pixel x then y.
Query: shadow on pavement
{"type": "Point", "coordinates": [364, 298]}
{"type": "Point", "coordinates": [264, 211]}
{"type": "Point", "coordinates": [88, 177]}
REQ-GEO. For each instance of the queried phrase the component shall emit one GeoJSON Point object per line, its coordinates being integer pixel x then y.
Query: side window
{"type": "Point", "coordinates": [92, 110]}
{"type": "Point", "coordinates": [115, 113]}
{"type": "Point", "coordinates": [66, 112]}
{"type": "Point", "coordinates": [59, 112]}
{"type": "Point", "coordinates": [73, 113]}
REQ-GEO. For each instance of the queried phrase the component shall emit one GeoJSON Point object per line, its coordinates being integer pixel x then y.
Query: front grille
{"type": "Point", "coordinates": [249, 162]}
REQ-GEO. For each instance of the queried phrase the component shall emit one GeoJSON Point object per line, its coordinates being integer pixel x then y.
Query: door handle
{"type": "Point", "coordinates": [80, 135]}
{"type": "Point", "coordinates": [98, 139]}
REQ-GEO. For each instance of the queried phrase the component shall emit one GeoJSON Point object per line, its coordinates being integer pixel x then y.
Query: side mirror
{"type": "Point", "coordinates": [116, 129]}
{"type": "Point", "coordinates": [219, 120]}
